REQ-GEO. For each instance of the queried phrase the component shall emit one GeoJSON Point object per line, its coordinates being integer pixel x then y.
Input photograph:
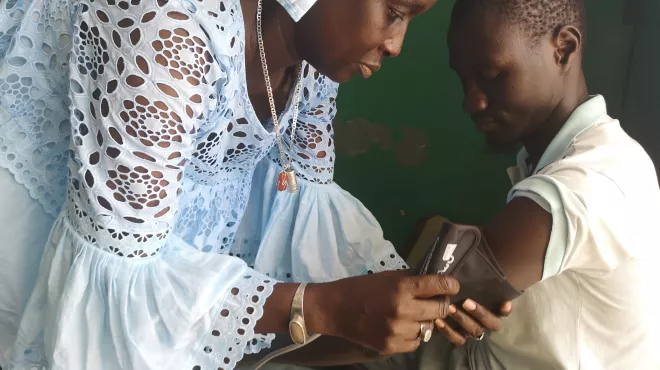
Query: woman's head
{"type": "Point", "coordinates": [342, 38]}
{"type": "Point", "coordinates": [517, 60]}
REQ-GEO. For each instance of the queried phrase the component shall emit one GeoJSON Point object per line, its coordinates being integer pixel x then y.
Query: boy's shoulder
{"type": "Point", "coordinates": [604, 152]}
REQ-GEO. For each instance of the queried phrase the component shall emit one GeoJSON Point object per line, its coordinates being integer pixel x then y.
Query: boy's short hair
{"type": "Point", "coordinates": [537, 18]}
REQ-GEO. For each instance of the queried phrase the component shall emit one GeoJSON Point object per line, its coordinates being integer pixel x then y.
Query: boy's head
{"type": "Point", "coordinates": [517, 60]}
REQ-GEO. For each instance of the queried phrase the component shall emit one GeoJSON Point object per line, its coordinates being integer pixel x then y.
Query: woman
{"type": "Point", "coordinates": [199, 175]}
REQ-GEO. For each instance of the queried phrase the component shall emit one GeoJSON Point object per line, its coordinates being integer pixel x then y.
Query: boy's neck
{"type": "Point", "coordinates": [538, 142]}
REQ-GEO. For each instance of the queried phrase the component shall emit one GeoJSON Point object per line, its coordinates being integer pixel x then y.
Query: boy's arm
{"type": "Point", "coordinates": [518, 237]}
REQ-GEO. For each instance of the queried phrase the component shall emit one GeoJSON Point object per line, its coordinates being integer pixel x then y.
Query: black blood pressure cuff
{"type": "Point", "coordinates": [462, 252]}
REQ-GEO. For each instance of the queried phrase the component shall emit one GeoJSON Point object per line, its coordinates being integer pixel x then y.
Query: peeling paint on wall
{"type": "Point", "coordinates": [358, 136]}
{"type": "Point", "coordinates": [412, 150]}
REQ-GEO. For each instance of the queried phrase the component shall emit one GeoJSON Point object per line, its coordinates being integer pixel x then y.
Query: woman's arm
{"type": "Point", "coordinates": [323, 352]}
{"type": "Point", "coordinates": [380, 312]}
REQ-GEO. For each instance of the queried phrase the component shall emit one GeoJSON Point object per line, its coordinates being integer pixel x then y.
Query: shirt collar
{"type": "Point", "coordinates": [585, 116]}
{"type": "Point", "coordinates": [297, 8]}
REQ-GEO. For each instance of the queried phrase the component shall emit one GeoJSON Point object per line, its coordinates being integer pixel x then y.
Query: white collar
{"type": "Point", "coordinates": [297, 8]}
{"type": "Point", "coordinates": [585, 116]}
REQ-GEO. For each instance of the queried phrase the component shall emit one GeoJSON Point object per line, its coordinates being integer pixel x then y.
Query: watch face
{"type": "Point", "coordinates": [297, 330]}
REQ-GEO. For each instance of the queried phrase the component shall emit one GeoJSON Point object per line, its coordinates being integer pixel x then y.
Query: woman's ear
{"type": "Point", "coordinates": [568, 46]}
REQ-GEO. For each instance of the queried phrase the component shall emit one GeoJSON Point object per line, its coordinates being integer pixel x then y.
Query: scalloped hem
{"type": "Point", "coordinates": [21, 163]}
{"type": "Point", "coordinates": [179, 310]}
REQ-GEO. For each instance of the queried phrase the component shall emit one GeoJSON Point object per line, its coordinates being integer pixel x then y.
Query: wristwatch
{"type": "Point", "coordinates": [297, 329]}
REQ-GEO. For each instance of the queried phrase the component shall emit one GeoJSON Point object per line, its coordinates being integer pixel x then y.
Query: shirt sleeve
{"type": "Point", "coordinates": [589, 219]}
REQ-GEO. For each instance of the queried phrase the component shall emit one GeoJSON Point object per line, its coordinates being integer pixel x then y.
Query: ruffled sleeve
{"type": "Point", "coordinates": [320, 233]}
{"type": "Point", "coordinates": [34, 115]}
{"type": "Point", "coordinates": [117, 289]}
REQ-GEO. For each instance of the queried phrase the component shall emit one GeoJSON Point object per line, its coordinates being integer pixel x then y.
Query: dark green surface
{"type": "Point", "coordinates": [641, 108]}
{"type": "Point", "coordinates": [458, 178]}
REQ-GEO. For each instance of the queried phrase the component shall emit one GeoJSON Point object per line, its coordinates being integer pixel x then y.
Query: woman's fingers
{"type": "Point", "coordinates": [410, 346]}
{"type": "Point", "coordinates": [406, 336]}
{"type": "Point", "coordinates": [429, 286]}
{"type": "Point", "coordinates": [412, 330]}
{"type": "Point", "coordinates": [428, 309]}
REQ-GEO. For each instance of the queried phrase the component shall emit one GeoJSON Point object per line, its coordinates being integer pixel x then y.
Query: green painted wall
{"type": "Point", "coordinates": [641, 111]}
{"type": "Point", "coordinates": [406, 150]}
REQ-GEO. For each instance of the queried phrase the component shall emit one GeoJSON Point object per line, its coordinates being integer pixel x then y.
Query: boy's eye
{"type": "Point", "coordinates": [393, 15]}
{"type": "Point", "coordinates": [491, 75]}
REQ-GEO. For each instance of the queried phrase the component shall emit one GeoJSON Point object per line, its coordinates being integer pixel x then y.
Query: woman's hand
{"type": "Point", "coordinates": [382, 312]}
{"type": "Point", "coordinates": [474, 320]}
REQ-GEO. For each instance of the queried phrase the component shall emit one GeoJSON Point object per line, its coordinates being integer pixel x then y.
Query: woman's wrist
{"type": "Point", "coordinates": [277, 310]}
{"type": "Point", "coordinates": [320, 307]}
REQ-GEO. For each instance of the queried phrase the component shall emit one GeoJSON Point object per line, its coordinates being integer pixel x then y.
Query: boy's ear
{"type": "Point", "coordinates": [568, 46]}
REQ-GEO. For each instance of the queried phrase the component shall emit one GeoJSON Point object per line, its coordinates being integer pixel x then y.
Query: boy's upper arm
{"type": "Point", "coordinates": [518, 237]}
{"type": "Point", "coordinates": [570, 219]}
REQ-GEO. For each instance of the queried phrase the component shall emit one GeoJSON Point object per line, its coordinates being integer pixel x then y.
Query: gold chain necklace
{"type": "Point", "coordinates": [286, 178]}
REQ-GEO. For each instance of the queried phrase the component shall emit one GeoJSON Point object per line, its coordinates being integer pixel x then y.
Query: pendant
{"type": "Point", "coordinates": [282, 182]}
{"type": "Point", "coordinates": [291, 180]}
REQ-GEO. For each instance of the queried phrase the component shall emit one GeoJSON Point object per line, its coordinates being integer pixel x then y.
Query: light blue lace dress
{"type": "Point", "coordinates": [129, 120]}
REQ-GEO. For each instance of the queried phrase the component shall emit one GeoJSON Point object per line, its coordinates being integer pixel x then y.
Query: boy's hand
{"type": "Point", "coordinates": [474, 320]}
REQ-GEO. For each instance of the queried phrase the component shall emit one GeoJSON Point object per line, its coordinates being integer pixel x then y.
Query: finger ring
{"type": "Point", "coordinates": [480, 337]}
{"type": "Point", "coordinates": [425, 333]}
